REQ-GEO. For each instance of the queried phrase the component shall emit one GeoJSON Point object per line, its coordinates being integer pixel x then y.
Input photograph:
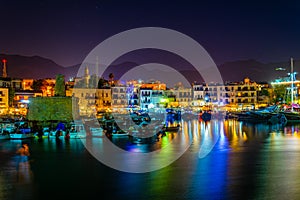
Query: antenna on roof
{"type": "Point", "coordinates": [4, 73]}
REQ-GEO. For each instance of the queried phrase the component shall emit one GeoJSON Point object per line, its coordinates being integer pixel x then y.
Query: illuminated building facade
{"type": "Point", "coordinates": [119, 99]}
{"type": "Point", "coordinates": [184, 96]}
{"type": "Point", "coordinates": [4, 100]}
{"type": "Point", "coordinates": [103, 99]}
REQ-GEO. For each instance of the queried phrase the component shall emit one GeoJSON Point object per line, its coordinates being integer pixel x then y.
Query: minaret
{"type": "Point", "coordinates": [86, 76]}
{"type": "Point", "coordinates": [292, 80]}
{"type": "Point", "coordinates": [97, 66]}
{"type": "Point", "coordinates": [4, 73]}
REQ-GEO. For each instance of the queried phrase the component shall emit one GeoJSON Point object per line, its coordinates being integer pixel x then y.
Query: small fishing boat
{"type": "Point", "coordinates": [4, 136]}
{"type": "Point", "coordinates": [22, 133]}
{"type": "Point", "coordinates": [172, 121]}
{"type": "Point", "coordinates": [96, 132]}
{"type": "Point", "coordinates": [77, 131]}
{"type": "Point", "coordinates": [5, 129]}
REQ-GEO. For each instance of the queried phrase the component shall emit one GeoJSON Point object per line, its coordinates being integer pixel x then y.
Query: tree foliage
{"type": "Point", "coordinates": [102, 83]}
{"type": "Point", "coordinates": [264, 92]}
{"type": "Point", "coordinates": [111, 76]}
{"type": "Point", "coordinates": [280, 93]}
{"type": "Point", "coordinates": [11, 94]}
{"type": "Point", "coordinates": [39, 84]}
{"type": "Point", "coordinates": [59, 88]}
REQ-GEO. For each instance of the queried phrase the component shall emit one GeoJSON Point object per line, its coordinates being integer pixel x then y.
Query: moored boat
{"type": "Point", "coordinates": [205, 116]}
{"type": "Point", "coordinates": [20, 135]}
{"type": "Point", "coordinates": [77, 131]}
{"type": "Point", "coordinates": [4, 136]}
{"type": "Point", "coordinates": [96, 132]}
{"type": "Point", "coordinates": [119, 133]}
{"type": "Point", "coordinates": [173, 128]}
{"type": "Point", "coordinates": [264, 115]}
{"type": "Point", "coordinates": [291, 116]}
{"type": "Point", "coordinates": [5, 130]}
{"type": "Point", "coordinates": [21, 130]}
{"type": "Point", "coordinates": [172, 121]}
{"type": "Point", "coordinates": [143, 137]}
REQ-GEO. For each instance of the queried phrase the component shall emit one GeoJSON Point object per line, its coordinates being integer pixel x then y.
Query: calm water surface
{"type": "Point", "coordinates": [225, 160]}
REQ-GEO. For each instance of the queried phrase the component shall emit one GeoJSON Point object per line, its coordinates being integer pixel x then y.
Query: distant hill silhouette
{"type": "Point", "coordinates": [37, 67]}
{"type": "Point", "coordinates": [30, 67]}
{"type": "Point", "coordinates": [257, 71]}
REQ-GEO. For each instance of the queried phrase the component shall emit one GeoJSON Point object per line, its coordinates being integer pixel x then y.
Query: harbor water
{"type": "Point", "coordinates": [224, 159]}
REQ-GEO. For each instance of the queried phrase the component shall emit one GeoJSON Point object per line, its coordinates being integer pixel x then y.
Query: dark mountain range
{"type": "Point", "coordinates": [30, 67]}
{"type": "Point", "coordinates": [38, 67]}
{"type": "Point", "coordinates": [257, 71]}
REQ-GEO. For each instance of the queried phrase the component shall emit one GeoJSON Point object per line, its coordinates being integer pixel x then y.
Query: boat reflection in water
{"type": "Point", "coordinates": [224, 159]}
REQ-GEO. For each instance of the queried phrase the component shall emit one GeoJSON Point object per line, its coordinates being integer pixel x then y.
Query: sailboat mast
{"type": "Point", "coordinates": [292, 80]}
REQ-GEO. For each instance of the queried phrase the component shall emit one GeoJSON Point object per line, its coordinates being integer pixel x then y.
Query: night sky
{"type": "Point", "coordinates": [66, 31]}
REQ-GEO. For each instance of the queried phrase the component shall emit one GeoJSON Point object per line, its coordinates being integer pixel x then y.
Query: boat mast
{"type": "Point", "coordinates": [292, 86]}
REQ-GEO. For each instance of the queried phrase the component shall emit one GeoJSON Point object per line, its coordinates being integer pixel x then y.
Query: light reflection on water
{"type": "Point", "coordinates": [226, 160]}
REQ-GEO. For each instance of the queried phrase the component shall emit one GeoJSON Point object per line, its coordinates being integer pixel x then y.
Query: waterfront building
{"type": "Point", "coordinates": [145, 98]}
{"type": "Point", "coordinates": [69, 87]}
{"type": "Point", "coordinates": [48, 89]}
{"type": "Point", "coordinates": [265, 94]}
{"type": "Point", "coordinates": [8, 86]}
{"type": "Point", "coordinates": [5, 82]}
{"type": "Point", "coordinates": [237, 95]}
{"type": "Point", "coordinates": [198, 94]}
{"type": "Point", "coordinates": [119, 101]}
{"type": "Point", "coordinates": [27, 84]}
{"type": "Point", "coordinates": [16, 83]}
{"type": "Point", "coordinates": [21, 100]}
{"type": "Point", "coordinates": [45, 85]}
{"type": "Point", "coordinates": [152, 95]}
{"type": "Point", "coordinates": [86, 101]}
{"type": "Point", "coordinates": [183, 96]}
{"type": "Point", "coordinates": [4, 100]}
{"type": "Point", "coordinates": [245, 94]}
{"type": "Point", "coordinates": [213, 93]}
{"type": "Point", "coordinates": [168, 100]}
{"type": "Point", "coordinates": [103, 99]}
{"type": "Point", "coordinates": [132, 94]}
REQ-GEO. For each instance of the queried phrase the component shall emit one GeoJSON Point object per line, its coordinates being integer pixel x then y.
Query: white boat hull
{"type": "Point", "coordinates": [96, 132]}
{"type": "Point", "coordinates": [77, 135]}
{"type": "Point", "coordinates": [20, 136]}
{"type": "Point", "coordinates": [120, 134]}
